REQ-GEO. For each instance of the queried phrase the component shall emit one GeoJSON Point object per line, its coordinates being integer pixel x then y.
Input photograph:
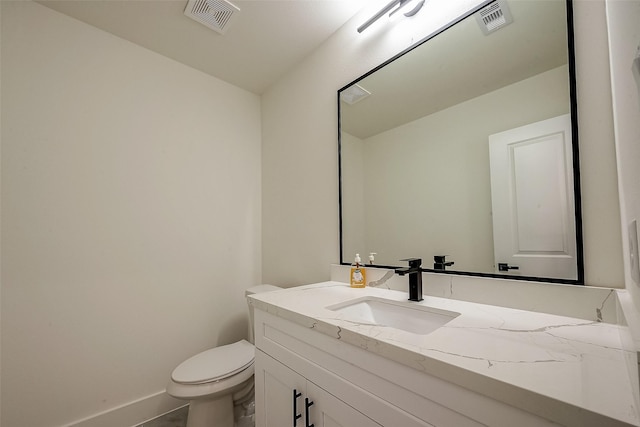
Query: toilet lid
{"type": "Point", "coordinates": [215, 364]}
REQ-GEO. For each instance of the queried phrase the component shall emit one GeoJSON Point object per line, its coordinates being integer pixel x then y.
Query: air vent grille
{"type": "Point", "coordinates": [353, 94]}
{"type": "Point", "coordinates": [493, 17]}
{"type": "Point", "coordinates": [215, 14]}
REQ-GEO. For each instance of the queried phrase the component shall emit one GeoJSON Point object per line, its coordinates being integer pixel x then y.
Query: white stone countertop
{"type": "Point", "coordinates": [571, 371]}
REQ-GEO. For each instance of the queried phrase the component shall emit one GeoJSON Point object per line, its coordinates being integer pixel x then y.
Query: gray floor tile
{"type": "Point", "coordinates": [177, 418]}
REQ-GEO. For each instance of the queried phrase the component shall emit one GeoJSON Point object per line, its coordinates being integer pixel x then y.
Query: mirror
{"type": "Point", "coordinates": [465, 146]}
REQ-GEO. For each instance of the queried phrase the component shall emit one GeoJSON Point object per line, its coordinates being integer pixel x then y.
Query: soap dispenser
{"type": "Point", "coordinates": [358, 276]}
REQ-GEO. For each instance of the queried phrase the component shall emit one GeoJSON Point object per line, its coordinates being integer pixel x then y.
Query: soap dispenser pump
{"type": "Point", "coordinates": [372, 257]}
{"type": "Point", "coordinates": [358, 274]}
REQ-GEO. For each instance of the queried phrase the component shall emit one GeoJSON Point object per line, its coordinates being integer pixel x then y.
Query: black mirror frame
{"type": "Point", "coordinates": [575, 149]}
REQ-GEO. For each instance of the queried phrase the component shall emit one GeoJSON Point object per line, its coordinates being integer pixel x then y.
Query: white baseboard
{"type": "Point", "coordinates": [132, 413]}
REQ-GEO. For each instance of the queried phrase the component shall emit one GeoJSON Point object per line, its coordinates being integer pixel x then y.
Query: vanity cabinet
{"type": "Point", "coordinates": [350, 386]}
{"type": "Point", "coordinates": [289, 399]}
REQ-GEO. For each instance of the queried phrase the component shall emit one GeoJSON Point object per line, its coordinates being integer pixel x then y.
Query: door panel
{"type": "Point", "coordinates": [329, 411]}
{"type": "Point", "coordinates": [532, 199]}
{"type": "Point", "coordinates": [277, 383]}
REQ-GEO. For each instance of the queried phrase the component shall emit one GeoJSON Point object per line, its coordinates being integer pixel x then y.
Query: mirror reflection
{"type": "Point", "coordinates": [462, 148]}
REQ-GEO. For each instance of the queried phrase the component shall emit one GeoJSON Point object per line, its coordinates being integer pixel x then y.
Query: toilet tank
{"type": "Point", "coordinates": [251, 291]}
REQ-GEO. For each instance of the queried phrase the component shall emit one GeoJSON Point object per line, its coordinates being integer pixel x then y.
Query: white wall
{"type": "Point", "coordinates": [624, 39]}
{"type": "Point", "coordinates": [0, 220]}
{"type": "Point", "coordinates": [130, 218]}
{"type": "Point", "coordinates": [600, 202]}
{"type": "Point", "coordinates": [439, 193]}
{"type": "Point", "coordinates": [300, 178]}
{"type": "Point", "coordinates": [353, 184]}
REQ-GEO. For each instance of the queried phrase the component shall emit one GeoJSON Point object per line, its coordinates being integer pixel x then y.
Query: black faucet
{"type": "Point", "coordinates": [440, 262]}
{"type": "Point", "coordinates": [415, 278]}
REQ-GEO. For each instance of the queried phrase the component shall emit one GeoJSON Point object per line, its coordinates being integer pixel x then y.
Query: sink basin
{"type": "Point", "coordinates": [409, 317]}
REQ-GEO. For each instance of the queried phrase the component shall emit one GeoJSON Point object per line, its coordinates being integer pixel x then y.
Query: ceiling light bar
{"type": "Point", "coordinates": [388, 7]}
{"type": "Point", "coordinates": [378, 15]}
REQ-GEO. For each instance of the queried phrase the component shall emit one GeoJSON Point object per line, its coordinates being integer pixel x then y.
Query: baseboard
{"type": "Point", "coordinates": [132, 413]}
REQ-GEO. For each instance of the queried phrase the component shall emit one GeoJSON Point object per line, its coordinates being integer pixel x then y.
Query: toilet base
{"type": "Point", "coordinates": [211, 413]}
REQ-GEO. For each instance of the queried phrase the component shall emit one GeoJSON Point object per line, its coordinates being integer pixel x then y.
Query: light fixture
{"type": "Point", "coordinates": [404, 3]}
{"type": "Point", "coordinates": [400, 5]}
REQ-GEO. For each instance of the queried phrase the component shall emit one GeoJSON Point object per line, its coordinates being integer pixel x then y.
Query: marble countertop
{"type": "Point", "coordinates": [563, 368]}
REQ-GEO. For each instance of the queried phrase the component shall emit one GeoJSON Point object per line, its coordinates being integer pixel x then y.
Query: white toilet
{"type": "Point", "coordinates": [216, 378]}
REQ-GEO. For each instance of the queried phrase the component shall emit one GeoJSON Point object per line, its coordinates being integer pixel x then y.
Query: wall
{"type": "Point", "coordinates": [624, 38]}
{"type": "Point", "coordinates": [354, 187]}
{"type": "Point", "coordinates": [600, 202]}
{"type": "Point", "coordinates": [300, 177]}
{"type": "Point", "coordinates": [442, 206]}
{"type": "Point", "coordinates": [130, 221]}
{"type": "Point", "coordinates": [0, 220]}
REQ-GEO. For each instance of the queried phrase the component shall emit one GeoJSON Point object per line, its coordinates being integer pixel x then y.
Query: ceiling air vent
{"type": "Point", "coordinates": [493, 17]}
{"type": "Point", "coordinates": [215, 14]}
{"type": "Point", "coordinates": [353, 94]}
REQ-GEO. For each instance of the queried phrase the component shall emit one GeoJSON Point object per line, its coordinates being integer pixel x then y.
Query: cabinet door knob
{"type": "Point", "coordinates": [307, 404]}
{"type": "Point", "coordinates": [296, 416]}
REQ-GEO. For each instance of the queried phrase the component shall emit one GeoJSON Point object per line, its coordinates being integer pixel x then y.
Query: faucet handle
{"type": "Point", "coordinates": [440, 262]}
{"type": "Point", "coordinates": [440, 258]}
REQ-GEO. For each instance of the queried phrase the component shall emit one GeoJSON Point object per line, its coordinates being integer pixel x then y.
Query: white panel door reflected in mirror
{"type": "Point", "coordinates": [532, 199]}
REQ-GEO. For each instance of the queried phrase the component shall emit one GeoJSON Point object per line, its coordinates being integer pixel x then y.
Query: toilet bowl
{"type": "Point", "coordinates": [216, 378]}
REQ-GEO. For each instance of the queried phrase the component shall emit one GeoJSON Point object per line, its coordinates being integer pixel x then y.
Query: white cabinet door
{"type": "Point", "coordinates": [329, 411]}
{"type": "Point", "coordinates": [285, 398]}
{"type": "Point", "coordinates": [278, 389]}
{"type": "Point", "coordinates": [532, 199]}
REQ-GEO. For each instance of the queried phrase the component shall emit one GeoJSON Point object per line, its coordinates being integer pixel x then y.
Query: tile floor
{"type": "Point", "coordinates": [177, 418]}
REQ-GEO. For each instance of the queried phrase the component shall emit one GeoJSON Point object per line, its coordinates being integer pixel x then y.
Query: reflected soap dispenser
{"type": "Point", "coordinates": [358, 276]}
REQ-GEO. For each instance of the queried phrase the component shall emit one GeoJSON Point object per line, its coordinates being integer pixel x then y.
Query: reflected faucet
{"type": "Point", "coordinates": [415, 277]}
{"type": "Point", "coordinates": [440, 262]}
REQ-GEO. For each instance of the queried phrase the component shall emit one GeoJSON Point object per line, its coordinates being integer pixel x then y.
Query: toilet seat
{"type": "Point", "coordinates": [213, 389]}
{"type": "Point", "coordinates": [215, 364]}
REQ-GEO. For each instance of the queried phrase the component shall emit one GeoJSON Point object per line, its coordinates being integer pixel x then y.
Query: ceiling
{"type": "Point", "coordinates": [265, 40]}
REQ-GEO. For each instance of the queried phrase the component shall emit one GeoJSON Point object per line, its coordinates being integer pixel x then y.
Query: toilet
{"type": "Point", "coordinates": [217, 378]}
